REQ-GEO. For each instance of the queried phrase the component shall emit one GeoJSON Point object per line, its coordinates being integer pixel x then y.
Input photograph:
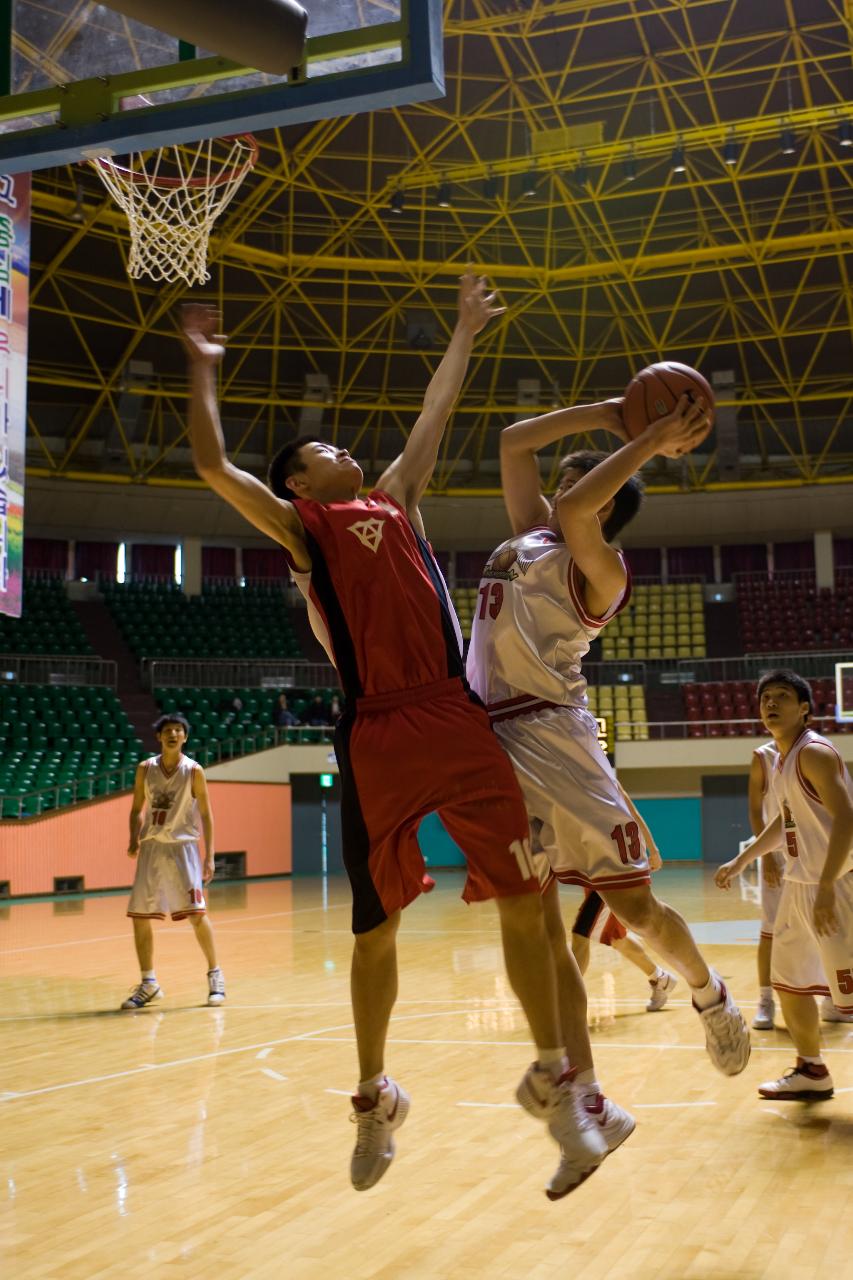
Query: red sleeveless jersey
{"type": "Point", "coordinates": [377, 599]}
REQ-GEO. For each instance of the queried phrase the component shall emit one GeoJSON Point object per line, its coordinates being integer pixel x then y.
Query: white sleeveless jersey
{"type": "Point", "coordinates": [531, 628]}
{"type": "Point", "coordinates": [171, 812]}
{"type": "Point", "coordinates": [807, 823]}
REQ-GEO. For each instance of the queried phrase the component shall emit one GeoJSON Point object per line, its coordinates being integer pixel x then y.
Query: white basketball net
{"type": "Point", "coordinates": [172, 196]}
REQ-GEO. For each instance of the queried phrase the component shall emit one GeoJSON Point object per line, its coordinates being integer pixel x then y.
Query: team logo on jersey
{"type": "Point", "coordinates": [368, 532]}
{"type": "Point", "coordinates": [161, 800]}
{"type": "Point", "coordinates": [510, 561]}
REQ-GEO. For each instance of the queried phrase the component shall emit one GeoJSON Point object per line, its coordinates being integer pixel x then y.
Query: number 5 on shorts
{"type": "Point", "coordinates": [844, 978]}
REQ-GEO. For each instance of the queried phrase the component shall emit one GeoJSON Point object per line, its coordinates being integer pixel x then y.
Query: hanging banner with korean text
{"type": "Point", "coordinates": [14, 303]}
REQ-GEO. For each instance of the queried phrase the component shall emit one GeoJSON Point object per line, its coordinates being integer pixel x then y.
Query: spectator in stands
{"type": "Point", "coordinates": [316, 713]}
{"type": "Point", "coordinates": [335, 709]}
{"type": "Point", "coordinates": [230, 708]}
{"type": "Point", "coordinates": [282, 716]}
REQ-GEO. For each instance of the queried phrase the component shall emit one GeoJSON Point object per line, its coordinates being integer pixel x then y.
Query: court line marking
{"type": "Point", "coordinates": [265, 1053]}
{"type": "Point", "coordinates": [273, 1075]}
{"type": "Point", "coordinates": [324, 1035]}
{"type": "Point", "coordinates": [635, 1106]}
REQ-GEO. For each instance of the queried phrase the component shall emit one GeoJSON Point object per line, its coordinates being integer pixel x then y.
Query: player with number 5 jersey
{"type": "Point", "coordinates": [545, 595]}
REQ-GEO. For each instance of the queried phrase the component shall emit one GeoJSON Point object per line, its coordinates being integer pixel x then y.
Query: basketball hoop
{"type": "Point", "coordinates": [172, 196]}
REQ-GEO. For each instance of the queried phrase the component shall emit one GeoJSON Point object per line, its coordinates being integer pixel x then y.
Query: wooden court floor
{"type": "Point", "coordinates": [186, 1141]}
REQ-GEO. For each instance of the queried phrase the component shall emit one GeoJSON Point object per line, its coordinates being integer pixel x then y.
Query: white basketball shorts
{"type": "Point", "coordinates": [589, 834]}
{"type": "Point", "coordinates": [806, 962]}
{"type": "Point", "coordinates": [770, 896]}
{"type": "Point", "coordinates": [167, 882]}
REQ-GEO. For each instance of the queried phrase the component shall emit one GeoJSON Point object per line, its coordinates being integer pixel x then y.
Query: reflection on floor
{"type": "Point", "coordinates": [188, 1141]}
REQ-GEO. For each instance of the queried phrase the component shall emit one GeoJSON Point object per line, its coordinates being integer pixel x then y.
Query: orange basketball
{"type": "Point", "coordinates": [655, 391]}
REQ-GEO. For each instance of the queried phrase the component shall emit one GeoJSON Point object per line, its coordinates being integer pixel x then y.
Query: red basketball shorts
{"type": "Point", "coordinates": [597, 922]}
{"type": "Point", "coordinates": [404, 755]}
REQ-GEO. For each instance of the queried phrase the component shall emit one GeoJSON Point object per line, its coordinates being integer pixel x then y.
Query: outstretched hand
{"type": "Point", "coordinates": [725, 874]}
{"type": "Point", "coordinates": [476, 303]}
{"type": "Point", "coordinates": [683, 429]}
{"type": "Point", "coordinates": [200, 328]}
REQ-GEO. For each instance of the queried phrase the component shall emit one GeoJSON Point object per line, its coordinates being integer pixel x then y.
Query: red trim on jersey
{"type": "Point", "coordinates": [147, 915]}
{"type": "Point", "coordinates": [539, 705]}
{"type": "Point", "coordinates": [621, 881]}
{"type": "Point", "coordinates": [577, 598]}
{"type": "Point", "coordinates": [805, 784]}
{"type": "Point", "coordinates": [190, 911]}
{"type": "Point", "coordinates": [817, 741]}
{"type": "Point", "coordinates": [764, 934]}
{"type": "Point", "coordinates": [509, 702]}
{"type": "Point", "coordinates": [376, 494]}
{"type": "Point", "coordinates": [802, 991]}
{"type": "Point", "coordinates": [765, 781]}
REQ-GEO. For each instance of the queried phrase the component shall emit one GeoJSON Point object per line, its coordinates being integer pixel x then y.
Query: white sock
{"type": "Point", "coordinates": [588, 1083]}
{"type": "Point", "coordinates": [657, 975]}
{"type": "Point", "coordinates": [215, 969]}
{"type": "Point", "coordinates": [710, 994]}
{"type": "Point", "coordinates": [554, 1061]}
{"type": "Point", "coordinates": [370, 1088]}
{"type": "Point", "coordinates": [765, 993]}
{"type": "Point", "coordinates": [815, 1062]}
{"type": "Point", "coordinates": [150, 978]}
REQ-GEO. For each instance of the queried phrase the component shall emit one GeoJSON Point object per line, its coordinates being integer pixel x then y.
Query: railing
{"type": "Point", "coordinates": [612, 671]}
{"type": "Point", "coordinates": [30, 804]}
{"type": "Point", "coordinates": [812, 663]}
{"type": "Point", "coordinates": [761, 577]}
{"type": "Point", "coordinates": [658, 730]}
{"type": "Point", "coordinates": [57, 669]}
{"type": "Point", "coordinates": [248, 673]}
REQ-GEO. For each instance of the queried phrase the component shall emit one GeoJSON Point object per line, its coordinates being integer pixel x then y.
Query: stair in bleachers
{"type": "Point", "coordinates": [99, 626]}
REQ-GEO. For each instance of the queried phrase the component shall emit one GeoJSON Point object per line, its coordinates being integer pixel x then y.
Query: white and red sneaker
{"type": "Point", "coordinates": [560, 1104]}
{"type": "Point", "coordinates": [661, 990]}
{"type": "Point", "coordinates": [726, 1034]}
{"type": "Point", "coordinates": [806, 1082]}
{"type": "Point", "coordinates": [614, 1123]}
{"type": "Point", "coordinates": [377, 1121]}
{"type": "Point", "coordinates": [829, 1013]}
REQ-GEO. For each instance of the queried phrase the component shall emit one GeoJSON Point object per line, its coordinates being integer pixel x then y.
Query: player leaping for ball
{"type": "Point", "coordinates": [813, 932]}
{"type": "Point", "coordinates": [412, 739]}
{"type": "Point", "coordinates": [545, 595]}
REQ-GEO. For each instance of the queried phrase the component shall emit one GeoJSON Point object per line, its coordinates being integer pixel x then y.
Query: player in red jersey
{"type": "Point", "coordinates": [413, 738]}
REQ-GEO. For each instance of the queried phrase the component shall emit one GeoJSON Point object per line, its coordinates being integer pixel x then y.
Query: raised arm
{"type": "Point", "coordinates": [525, 503]}
{"type": "Point", "coordinates": [407, 477]}
{"type": "Point", "coordinates": [205, 347]}
{"type": "Point", "coordinates": [578, 507]}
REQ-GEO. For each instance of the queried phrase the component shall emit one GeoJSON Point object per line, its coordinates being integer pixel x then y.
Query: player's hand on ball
{"type": "Point", "coordinates": [203, 341]}
{"type": "Point", "coordinates": [725, 874]}
{"type": "Point", "coordinates": [612, 414]}
{"type": "Point", "coordinates": [683, 429]}
{"type": "Point", "coordinates": [770, 871]}
{"type": "Point", "coordinates": [825, 919]}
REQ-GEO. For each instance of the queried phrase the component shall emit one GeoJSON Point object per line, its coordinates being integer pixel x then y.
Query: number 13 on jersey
{"type": "Point", "coordinates": [491, 600]}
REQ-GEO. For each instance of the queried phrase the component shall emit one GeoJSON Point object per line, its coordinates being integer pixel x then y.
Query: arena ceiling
{"type": "Point", "coordinates": [557, 140]}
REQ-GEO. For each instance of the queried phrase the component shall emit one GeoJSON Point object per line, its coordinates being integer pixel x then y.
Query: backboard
{"type": "Point", "coordinates": [844, 692]}
{"type": "Point", "coordinates": [70, 87]}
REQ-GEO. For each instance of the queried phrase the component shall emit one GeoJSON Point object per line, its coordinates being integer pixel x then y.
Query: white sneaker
{"type": "Point", "coordinates": [374, 1146]}
{"type": "Point", "coordinates": [764, 1014]}
{"type": "Point", "coordinates": [662, 989]}
{"type": "Point", "coordinates": [561, 1105]}
{"type": "Point", "coordinates": [726, 1034]}
{"type": "Point", "coordinates": [829, 1013]}
{"type": "Point", "coordinates": [216, 986]}
{"type": "Point", "coordinates": [803, 1083]}
{"type": "Point", "coordinates": [142, 995]}
{"type": "Point", "coordinates": [614, 1123]}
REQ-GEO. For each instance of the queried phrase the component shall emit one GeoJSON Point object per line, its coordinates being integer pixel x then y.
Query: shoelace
{"type": "Point", "coordinates": [369, 1130]}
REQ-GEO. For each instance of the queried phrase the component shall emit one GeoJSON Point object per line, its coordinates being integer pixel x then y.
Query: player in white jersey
{"type": "Point", "coordinates": [170, 877]}
{"type": "Point", "coordinates": [546, 593]}
{"type": "Point", "coordinates": [762, 808]}
{"type": "Point", "coordinates": [813, 937]}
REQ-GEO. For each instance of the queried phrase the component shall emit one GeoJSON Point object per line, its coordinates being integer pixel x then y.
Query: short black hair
{"type": "Point", "coordinates": [171, 717]}
{"type": "Point", "coordinates": [627, 500]}
{"type": "Point", "coordinates": [784, 675]}
{"type": "Point", "coordinates": [286, 463]}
